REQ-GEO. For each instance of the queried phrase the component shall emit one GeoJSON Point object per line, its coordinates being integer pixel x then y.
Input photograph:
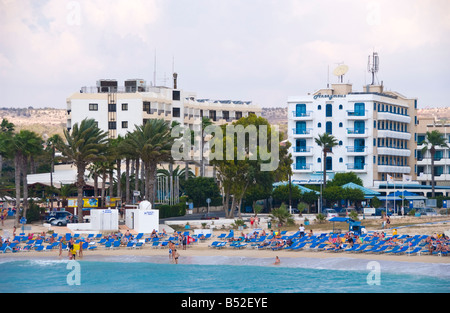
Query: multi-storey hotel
{"type": "Point", "coordinates": [441, 157]}
{"type": "Point", "coordinates": [375, 129]}
{"type": "Point", "coordinates": [117, 109]}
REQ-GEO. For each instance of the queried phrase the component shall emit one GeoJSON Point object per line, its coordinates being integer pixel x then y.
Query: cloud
{"type": "Point", "coordinates": [260, 50]}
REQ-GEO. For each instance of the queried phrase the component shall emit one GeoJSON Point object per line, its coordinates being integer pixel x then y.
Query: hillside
{"type": "Point", "coordinates": [49, 121]}
{"type": "Point", "coordinates": [45, 122]}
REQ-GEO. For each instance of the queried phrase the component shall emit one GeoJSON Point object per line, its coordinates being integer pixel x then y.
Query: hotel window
{"type": "Point", "coordinates": [329, 110]}
{"type": "Point", "coordinates": [124, 124]}
{"type": "Point", "coordinates": [124, 106]}
{"type": "Point", "coordinates": [175, 112]}
{"type": "Point", "coordinates": [340, 106]}
{"type": "Point", "coordinates": [212, 115]}
{"type": "Point", "coordinates": [111, 107]}
{"type": "Point", "coordinates": [111, 125]}
{"type": "Point", "coordinates": [238, 114]}
{"type": "Point", "coordinates": [175, 95]}
{"type": "Point", "coordinates": [146, 106]}
{"type": "Point", "coordinates": [329, 164]}
{"type": "Point", "coordinates": [93, 106]}
{"type": "Point", "coordinates": [329, 128]}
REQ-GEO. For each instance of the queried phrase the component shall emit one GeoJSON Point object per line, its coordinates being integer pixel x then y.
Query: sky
{"type": "Point", "coordinates": [254, 50]}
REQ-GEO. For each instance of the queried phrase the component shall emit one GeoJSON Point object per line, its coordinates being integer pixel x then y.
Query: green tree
{"type": "Point", "coordinates": [51, 145]}
{"type": "Point", "coordinates": [433, 140]}
{"type": "Point", "coordinates": [200, 188]}
{"type": "Point", "coordinates": [83, 145]}
{"type": "Point", "coordinates": [326, 142]}
{"type": "Point", "coordinates": [341, 179]}
{"type": "Point", "coordinates": [26, 144]}
{"type": "Point", "coordinates": [352, 194]}
{"type": "Point", "coordinates": [281, 215]}
{"type": "Point", "coordinates": [281, 193]}
{"type": "Point", "coordinates": [153, 143]}
{"type": "Point", "coordinates": [309, 197]}
{"type": "Point", "coordinates": [333, 193]}
{"type": "Point", "coordinates": [6, 135]}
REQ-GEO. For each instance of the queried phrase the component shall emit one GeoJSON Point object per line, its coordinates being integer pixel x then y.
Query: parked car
{"type": "Point", "coordinates": [427, 211]}
{"type": "Point", "coordinates": [329, 213]}
{"type": "Point", "coordinates": [380, 211]}
{"type": "Point", "coordinates": [209, 216]}
{"type": "Point", "coordinates": [56, 215]}
{"type": "Point", "coordinates": [344, 212]}
{"type": "Point", "coordinates": [60, 218]}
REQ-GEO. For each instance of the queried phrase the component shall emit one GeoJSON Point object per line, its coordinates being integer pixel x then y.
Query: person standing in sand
{"type": "Point", "coordinates": [171, 247]}
{"type": "Point", "coordinates": [175, 256]}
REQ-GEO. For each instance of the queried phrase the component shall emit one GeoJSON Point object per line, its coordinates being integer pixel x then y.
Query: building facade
{"type": "Point", "coordinates": [375, 130]}
{"type": "Point", "coordinates": [117, 109]}
{"type": "Point", "coordinates": [441, 157]}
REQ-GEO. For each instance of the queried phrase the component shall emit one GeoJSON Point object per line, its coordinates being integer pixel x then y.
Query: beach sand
{"type": "Point", "coordinates": [427, 226]}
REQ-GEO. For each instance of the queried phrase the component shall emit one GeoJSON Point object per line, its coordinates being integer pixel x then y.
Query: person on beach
{"type": "Point", "coordinates": [301, 229]}
{"type": "Point", "coordinates": [171, 248]}
{"type": "Point", "coordinates": [175, 256]}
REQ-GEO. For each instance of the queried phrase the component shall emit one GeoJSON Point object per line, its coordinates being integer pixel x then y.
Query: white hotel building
{"type": "Point", "coordinates": [375, 130]}
{"type": "Point", "coordinates": [117, 109]}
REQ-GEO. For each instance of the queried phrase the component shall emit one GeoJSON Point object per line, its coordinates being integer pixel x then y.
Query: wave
{"type": "Point", "coordinates": [441, 270]}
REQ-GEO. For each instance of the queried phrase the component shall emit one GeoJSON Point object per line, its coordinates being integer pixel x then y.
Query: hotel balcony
{"type": "Point", "coordinates": [302, 167]}
{"type": "Point", "coordinates": [394, 169]}
{"type": "Point", "coordinates": [403, 152]}
{"type": "Point", "coordinates": [357, 132]}
{"type": "Point", "coordinates": [302, 150]}
{"type": "Point", "coordinates": [302, 133]}
{"type": "Point", "coordinates": [357, 167]}
{"type": "Point", "coordinates": [357, 115]}
{"type": "Point", "coordinates": [356, 150]}
{"type": "Point", "coordinates": [384, 133]}
{"type": "Point", "coordinates": [302, 116]}
{"type": "Point", "coordinates": [393, 117]}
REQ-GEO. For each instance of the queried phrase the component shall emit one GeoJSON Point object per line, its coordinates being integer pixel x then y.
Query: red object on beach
{"type": "Point", "coordinates": [190, 240]}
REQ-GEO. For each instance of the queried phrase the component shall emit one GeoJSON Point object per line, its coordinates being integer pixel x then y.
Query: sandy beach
{"type": "Point", "coordinates": [426, 226]}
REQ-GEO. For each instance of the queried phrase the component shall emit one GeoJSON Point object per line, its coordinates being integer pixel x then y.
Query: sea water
{"type": "Point", "coordinates": [218, 274]}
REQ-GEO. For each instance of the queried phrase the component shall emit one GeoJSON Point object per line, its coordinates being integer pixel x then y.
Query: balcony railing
{"type": "Point", "coordinates": [356, 113]}
{"type": "Point", "coordinates": [301, 113]}
{"type": "Point", "coordinates": [356, 166]}
{"type": "Point", "coordinates": [302, 149]}
{"type": "Point", "coordinates": [356, 148]}
{"type": "Point", "coordinates": [306, 131]}
{"type": "Point", "coordinates": [356, 131]}
{"type": "Point", "coordinates": [305, 167]}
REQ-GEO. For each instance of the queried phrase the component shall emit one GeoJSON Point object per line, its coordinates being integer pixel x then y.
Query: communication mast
{"type": "Point", "coordinates": [373, 65]}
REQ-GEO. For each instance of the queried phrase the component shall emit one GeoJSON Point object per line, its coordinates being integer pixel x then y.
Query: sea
{"type": "Point", "coordinates": [220, 274]}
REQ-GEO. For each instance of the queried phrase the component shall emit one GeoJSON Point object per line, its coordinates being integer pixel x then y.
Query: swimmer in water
{"type": "Point", "coordinates": [277, 260]}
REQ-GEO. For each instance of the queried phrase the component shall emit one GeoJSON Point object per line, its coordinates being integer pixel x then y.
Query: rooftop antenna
{"type": "Point", "coordinates": [373, 65]}
{"type": "Point", "coordinates": [340, 72]}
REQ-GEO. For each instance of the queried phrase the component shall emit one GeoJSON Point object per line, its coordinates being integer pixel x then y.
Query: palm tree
{"type": "Point", "coordinates": [153, 142]}
{"type": "Point", "coordinates": [25, 144]}
{"type": "Point", "coordinates": [326, 142]}
{"type": "Point", "coordinates": [6, 134]}
{"type": "Point", "coordinates": [52, 142]}
{"type": "Point", "coordinates": [432, 140]}
{"type": "Point", "coordinates": [83, 145]}
{"type": "Point", "coordinates": [206, 121]}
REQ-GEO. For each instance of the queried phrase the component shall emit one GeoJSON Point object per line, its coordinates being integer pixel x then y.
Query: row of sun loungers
{"type": "Point", "coordinates": [402, 245]}
{"type": "Point", "coordinates": [91, 242]}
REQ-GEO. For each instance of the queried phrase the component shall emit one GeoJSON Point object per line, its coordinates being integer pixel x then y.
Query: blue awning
{"type": "Point", "coordinates": [340, 219]}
